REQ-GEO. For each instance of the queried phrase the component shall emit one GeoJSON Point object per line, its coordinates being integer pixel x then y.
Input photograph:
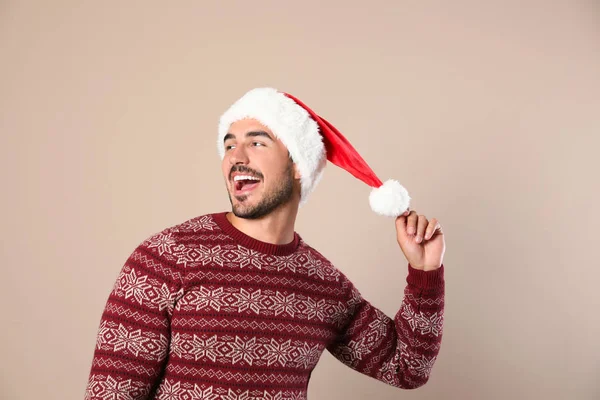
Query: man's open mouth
{"type": "Point", "coordinates": [243, 184]}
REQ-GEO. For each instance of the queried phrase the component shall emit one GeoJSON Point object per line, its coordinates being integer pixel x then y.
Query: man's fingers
{"type": "Point", "coordinates": [401, 223]}
{"type": "Point", "coordinates": [433, 226]}
{"type": "Point", "coordinates": [421, 226]}
{"type": "Point", "coordinates": [411, 223]}
{"type": "Point", "coordinates": [401, 226]}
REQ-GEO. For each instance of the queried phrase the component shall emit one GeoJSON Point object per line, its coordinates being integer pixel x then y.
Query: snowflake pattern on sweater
{"type": "Point", "coordinates": [203, 311]}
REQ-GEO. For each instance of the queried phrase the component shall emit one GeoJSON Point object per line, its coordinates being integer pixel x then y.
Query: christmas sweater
{"type": "Point", "coordinates": [203, 311]}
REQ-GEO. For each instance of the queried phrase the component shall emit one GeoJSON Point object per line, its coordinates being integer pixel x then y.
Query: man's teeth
{"type": "Point", "coordinates": [244, 178]}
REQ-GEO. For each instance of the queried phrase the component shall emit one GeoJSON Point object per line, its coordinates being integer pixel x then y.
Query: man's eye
{"type": "Point", "coordinates": [257, 144]}
{"type": "Point", "coordinates": [229, 147]}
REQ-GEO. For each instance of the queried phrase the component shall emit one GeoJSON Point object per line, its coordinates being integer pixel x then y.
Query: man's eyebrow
{"type": "Point", "coordinates": [258, 133]}
{"type": "Point", "coordinates": [249, 134]}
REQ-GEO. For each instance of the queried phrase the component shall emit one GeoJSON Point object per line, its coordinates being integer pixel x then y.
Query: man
{"type": "Point", "coordinates": [235, 305]}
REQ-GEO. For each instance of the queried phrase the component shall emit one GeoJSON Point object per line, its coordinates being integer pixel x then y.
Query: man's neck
{"type": "Point", "coordinates": [275, 228]}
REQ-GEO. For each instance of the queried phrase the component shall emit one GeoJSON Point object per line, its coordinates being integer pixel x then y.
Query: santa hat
{"type": "Point", "coordinates": [311, 141]}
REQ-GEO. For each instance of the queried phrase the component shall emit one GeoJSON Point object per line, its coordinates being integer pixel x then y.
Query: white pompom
{"type": "Point", "coordinates": [390, 200]}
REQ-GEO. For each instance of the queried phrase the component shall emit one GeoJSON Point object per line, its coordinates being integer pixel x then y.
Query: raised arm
{"type": "Point", "coordinates": [399, 351]}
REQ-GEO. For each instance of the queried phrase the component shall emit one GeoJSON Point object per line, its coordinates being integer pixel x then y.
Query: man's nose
{"type": "Point", "coordinates": [238, 156]}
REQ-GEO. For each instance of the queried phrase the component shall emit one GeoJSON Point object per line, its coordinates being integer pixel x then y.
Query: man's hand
{"type": "Point", "coordinates": [421, 241]}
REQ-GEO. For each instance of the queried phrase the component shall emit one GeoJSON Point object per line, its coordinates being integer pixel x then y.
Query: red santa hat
{"type": "Point", "coordinates": [311, 141]}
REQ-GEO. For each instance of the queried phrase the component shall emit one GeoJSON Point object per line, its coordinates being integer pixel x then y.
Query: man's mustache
{"type": "Point", "coordinates": [244, 169]}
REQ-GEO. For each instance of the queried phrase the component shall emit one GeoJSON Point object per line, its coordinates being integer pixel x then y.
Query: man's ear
{"type": "Point", "coordinates": [297, 174]}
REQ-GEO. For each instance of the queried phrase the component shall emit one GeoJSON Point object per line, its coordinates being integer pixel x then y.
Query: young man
{"type": "Point", "coordinates": [235, 305]}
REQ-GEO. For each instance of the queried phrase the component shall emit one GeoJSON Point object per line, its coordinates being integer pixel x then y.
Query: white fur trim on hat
{"type": "Point", "coordinates": [390, 199]}
{"type": "Point", "coordinates": [291, 123]}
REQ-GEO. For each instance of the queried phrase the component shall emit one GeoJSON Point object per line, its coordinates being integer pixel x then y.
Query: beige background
{"type": "Point", "coordinates": [487, 111]}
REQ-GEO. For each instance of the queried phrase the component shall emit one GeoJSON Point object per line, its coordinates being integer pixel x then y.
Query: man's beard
{"type": "Point", "coordinates": [277, 197]}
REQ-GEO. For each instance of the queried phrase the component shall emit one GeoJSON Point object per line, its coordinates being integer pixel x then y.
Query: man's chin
{"type": "Point", "coordinates": [242, 209]}
{"type": "Point", "coordinates": [243, 213]}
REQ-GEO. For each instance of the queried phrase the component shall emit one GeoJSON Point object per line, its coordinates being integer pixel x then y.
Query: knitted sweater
{"type": "Point", "coordinates": [203, 311]}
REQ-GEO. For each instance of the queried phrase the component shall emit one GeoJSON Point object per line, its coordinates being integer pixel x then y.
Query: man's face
{"type": "Point", "coordinates": [259, 175]}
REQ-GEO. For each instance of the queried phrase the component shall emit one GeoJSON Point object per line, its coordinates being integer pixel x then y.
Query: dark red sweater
{"type": "Point", "coordinates": [203, 311]}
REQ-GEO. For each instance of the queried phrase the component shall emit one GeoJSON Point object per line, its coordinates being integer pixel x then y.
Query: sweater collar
{"type": "Point", "coordinates": [251, 243]}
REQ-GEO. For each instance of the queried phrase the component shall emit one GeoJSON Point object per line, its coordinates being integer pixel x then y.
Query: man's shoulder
{"type": "Point", "coordinates": [313, 252]}
{"type": "Point", "coordinates": [324, 265]}
{"type": "Point", "coordinates": [202, 223]}
{"type": "Point", "coordinates": [193, 230]}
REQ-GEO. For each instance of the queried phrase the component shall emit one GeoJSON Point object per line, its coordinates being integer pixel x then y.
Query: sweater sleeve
{"type": "Point", "coordinates": [400, 351]}
{"type": "Point", "coordinates": [133, 337]}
